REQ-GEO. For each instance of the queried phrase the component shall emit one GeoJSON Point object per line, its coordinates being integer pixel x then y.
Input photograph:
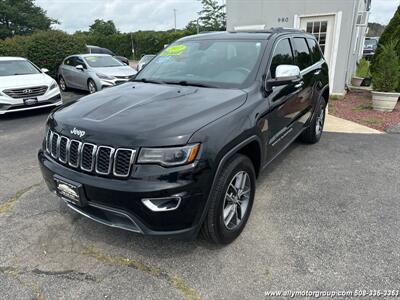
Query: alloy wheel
{"type": "Point", "coordinates": [236, 200]}
{"type": "Point", "coordinates": [92, 87]}
{"type": "Point", "coordinates": [320, 121]}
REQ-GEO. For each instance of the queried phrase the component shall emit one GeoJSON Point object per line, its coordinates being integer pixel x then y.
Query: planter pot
{"type": "Point", "coordinates": [356, 81]}
{"type": "Point", "coordinates": [366, 82]}
{"type": "Point", "coordinates": [384, 101]}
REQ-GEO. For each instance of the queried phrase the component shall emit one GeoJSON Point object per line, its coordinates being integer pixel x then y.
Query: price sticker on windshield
{"type": "Point", "coordinates": [174, 50]}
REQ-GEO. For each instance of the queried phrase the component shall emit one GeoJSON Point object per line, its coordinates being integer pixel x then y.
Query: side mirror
{"type": "Point", "coordinates": [284, 74]}
{"type": "Point", "coordinates": [44, 70]}
{"type": "Point", "coordinates": [79, 67]}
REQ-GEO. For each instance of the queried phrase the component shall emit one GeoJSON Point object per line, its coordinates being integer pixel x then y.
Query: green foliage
{"type": "Point", "coordinates": [46, 49]}
{"type": "Point", "coordinates": [363, 68]}
{"type": "Point", "coordinates": [390, 35]}
{"type": "Point", "coordinates": [102, 27]}
{"type": "Point", "coordinates": [22, 17]}
{"type": "Point", "coordinates": [386, 73]}
{"type": "Point", "coordinates": [375, 29]}
{"type": "Point", "coordinates": [211, 18]}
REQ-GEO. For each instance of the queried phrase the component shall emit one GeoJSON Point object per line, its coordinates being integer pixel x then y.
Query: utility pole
{"type": "Point", "coordinates": [175, 19]}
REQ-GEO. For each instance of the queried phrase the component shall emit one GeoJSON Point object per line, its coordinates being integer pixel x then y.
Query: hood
{"type": "Point", "coordinates": [20, 81]}
{"type": "Point", "coordinates": [116, 71]}
{"type": "Point", "coordinates": [144, 114]}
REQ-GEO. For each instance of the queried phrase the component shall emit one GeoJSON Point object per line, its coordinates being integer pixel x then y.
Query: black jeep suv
{"type": "Point", "coordinates": [178, 150]}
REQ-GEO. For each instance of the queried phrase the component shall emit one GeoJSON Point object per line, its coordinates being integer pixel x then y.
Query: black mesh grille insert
{"type": "Point", "coordinates": [54, 144]}
{"type": "Point", "coordinates": [122, 162]}
{"type": "Point", "coordinates": [74, 153]}
{"type": "Point", "coordinates": [87, 157]}
{"type": "Point", "coordinates": [63, 149]}
{"type": "Point", "coordinates": [104, 160]}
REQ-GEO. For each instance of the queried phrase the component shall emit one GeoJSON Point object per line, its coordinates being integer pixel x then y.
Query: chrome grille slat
{"type": "Point", "coordinates": [26, 92]}
{"type": "Point", "coordinates": [97, 159]}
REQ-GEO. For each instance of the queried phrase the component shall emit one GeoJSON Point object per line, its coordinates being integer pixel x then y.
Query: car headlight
{"type": "Point", "coordinates": [106, 77]}
{"type": "Point", "coordinates": [53, 85]}
{"type": "Point", "coordinates": [169, 156]}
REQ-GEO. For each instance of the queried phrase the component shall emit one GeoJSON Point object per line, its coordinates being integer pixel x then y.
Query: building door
{"type": "Point", "coordinates": [322, 27]}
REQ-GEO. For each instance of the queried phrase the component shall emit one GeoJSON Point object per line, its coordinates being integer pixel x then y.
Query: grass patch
{"type": "Point", "coordinates": [372, 121]}
{"type": "Point", "coordinates": [361, 107]}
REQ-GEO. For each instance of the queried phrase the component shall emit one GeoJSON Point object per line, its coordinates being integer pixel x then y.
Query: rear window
{"type": "Point", "coordinates": [315, 51]}
{"type": "Point", "coordinates": [303, 56]}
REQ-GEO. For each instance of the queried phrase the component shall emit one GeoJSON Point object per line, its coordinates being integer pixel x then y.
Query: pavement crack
{"type": "Point", "coordinates": [6, 205]}
{"type": "Point", "coordinates": [67, 274]}
{"type": "Point", "coordinates": [176, 282]}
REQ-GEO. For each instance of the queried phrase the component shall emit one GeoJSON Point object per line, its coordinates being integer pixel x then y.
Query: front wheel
{"type": "Point", "coordinates": [92, 86]}
{"type": "Point", "coordinates": [231, 201]}
{"type": "Point", "coordinates": [313, 133]}
{"type": "Point", "coordinates": [62, 83]}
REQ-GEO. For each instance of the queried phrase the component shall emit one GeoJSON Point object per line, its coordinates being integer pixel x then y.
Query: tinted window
{"type": "Point", "coordinates": [79, 61]}
{"type": "Point", "coordinates": [315, 52]}
{"type": "Point", "coordinates": [282, 56]}
{"type": "Point", "coordinates": [69, 61]}
{"type": "Point", "coordinates": [102, 61]}
{"type": "Point", "coordinates": [303, 57]}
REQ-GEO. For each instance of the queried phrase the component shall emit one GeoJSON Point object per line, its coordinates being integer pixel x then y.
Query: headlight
{"type": "Point", "coordinates": [169, 156]}
{"type": "Point", "coordinates": [106, 77]}
{"type": "Point", "coordinates": [53, 85]}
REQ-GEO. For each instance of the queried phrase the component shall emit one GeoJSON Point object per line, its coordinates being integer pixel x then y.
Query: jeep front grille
{"type": "Point", "coordinates": [102, 160]}
{"type": "Point", "coordinates": [30, 92]}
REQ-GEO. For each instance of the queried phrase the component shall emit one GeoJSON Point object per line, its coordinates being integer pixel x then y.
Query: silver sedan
{"type": "Point", "coordinates": [93, 72]}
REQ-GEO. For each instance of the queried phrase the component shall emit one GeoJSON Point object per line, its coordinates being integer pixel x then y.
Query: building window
{"type": "Point", "coordinates": [319, 30]}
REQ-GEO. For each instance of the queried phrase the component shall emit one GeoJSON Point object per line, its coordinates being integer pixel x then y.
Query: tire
{"type": "Point", "coordinates": [63, 84]}
{"type": "Point", "coordinates": [92, 88]}
{"type": "Point", "coordinates": [313, 133]}
{"type": "Point", "coordinates": [216, 228]}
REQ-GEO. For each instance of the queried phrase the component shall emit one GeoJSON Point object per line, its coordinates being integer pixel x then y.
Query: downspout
{"type": "Point", "coordinates": [354, 20]}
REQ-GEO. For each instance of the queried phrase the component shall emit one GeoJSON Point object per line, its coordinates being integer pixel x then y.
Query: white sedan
{"type": "Point", "coordinates": [23, 86]}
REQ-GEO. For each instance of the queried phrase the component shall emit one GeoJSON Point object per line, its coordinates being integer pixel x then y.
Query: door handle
{"type": "Point", "coordinates": [299, 85]}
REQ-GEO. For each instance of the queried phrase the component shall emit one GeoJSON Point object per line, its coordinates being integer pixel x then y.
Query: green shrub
{"type": "Point", "coordinates": [386, 73]}
{"type": "Point", "coordinates": [46, 49]}
{"type": "Point", "coordinates": [363, 68]}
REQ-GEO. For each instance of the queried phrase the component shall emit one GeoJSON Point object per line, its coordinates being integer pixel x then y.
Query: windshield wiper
{"type": "Point", "coordinates": [147, 81]}
{"type": "Point", "coordinates": [188, 83]}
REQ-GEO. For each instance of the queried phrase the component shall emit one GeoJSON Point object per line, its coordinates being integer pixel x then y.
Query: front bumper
{"type": "Point", "coordinates": [118, 203]}
{"type": "Point", "coordinates": [8, 104]}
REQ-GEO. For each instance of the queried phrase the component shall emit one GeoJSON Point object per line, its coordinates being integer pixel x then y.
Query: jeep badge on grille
{"type": "Point", "coordinates": [78, 132]}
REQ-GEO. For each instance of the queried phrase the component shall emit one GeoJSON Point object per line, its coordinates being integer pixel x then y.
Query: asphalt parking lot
{"type": "Point", "coordinates": [326, 217]}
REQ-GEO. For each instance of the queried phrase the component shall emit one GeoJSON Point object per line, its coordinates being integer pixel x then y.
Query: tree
{"type": "Point", "coordinates": [103, 27]}
{"type": "Point", "coordinates": [22, 17]}
{"type": "Point", "coordinates": [211, 18]}
{"type": "Point", "coordinates": [375, 29]}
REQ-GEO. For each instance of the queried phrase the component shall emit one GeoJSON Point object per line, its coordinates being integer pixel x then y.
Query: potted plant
{"type": "Point", "coordinates": [362, 72]}
{"type": "Point", "coordinates": [385, 78]}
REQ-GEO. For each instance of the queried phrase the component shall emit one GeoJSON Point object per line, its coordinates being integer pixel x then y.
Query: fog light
{"type": "Point", "coordinates": [162, 204]}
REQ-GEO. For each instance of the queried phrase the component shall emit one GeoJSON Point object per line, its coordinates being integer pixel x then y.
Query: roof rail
{"type": "Point", "coordinates": [264, 29]}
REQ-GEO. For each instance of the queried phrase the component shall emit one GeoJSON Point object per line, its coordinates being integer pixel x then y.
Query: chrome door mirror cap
{"type": "Point", "coordinates": [287, 73]}
{"type": "Point", "coordinates": [79, 67]}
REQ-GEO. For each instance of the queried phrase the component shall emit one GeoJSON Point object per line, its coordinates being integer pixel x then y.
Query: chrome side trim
{"type": "Point", "coordinates": [133, 154]}
{"type": "Point", "coordinates": [93, 157]}
{"type": "Point", "coordinates": [150, 205]}
{"type": "Point", "coordinates": [110, 158]}
{"type": "Point", "coordinates": [79, 154]}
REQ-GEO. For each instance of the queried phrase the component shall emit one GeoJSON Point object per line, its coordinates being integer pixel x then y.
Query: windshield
{"type": "Point", "coordinates": [102, 61]}
{"type": "Point", "coordinates": [17, 67]}
{"type": "Point", "coordinates": [220, 63]}
{"type": "Point", "coordinates": [370, 43]}
{"type": "Point", "coordinates": [145, 59]}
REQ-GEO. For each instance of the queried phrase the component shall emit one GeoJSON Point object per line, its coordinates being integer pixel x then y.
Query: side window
{"type": "Point", "coordinates": [79, 61]}
{"type": "Point", "coordinates": [68, 61]}
{"type": "Point", "coordinates": [303, 57]}
{"type": "Point", "coordinates": [283, 55]}
{"type": "Point", "coordinates": [315, 51]}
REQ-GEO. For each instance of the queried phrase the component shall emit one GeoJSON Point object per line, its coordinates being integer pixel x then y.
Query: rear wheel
{"type": "Point", "coordinates": [62, 83]}
{"type": "Point", "coordinates": [92, 86]}
{"type": "Point", "coordinates": [313, 133]}
{"type": "Point", "coordinates": [231, 201]}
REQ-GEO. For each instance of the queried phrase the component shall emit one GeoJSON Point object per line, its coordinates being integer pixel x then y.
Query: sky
{"type": "Point", "coordinates": [133, 15]}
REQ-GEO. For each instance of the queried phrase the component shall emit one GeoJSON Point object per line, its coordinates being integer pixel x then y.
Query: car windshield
{"type": "Point", "coordinates": [102, 61]}
{"type": "Point", "coordinates": [17, 67]}
{"type": "Point", "coordinates": [145, 59]}
{"type": "Point", "coordinates": [218, 63]}
{"type": "Point", "coordinates": [370, 43]}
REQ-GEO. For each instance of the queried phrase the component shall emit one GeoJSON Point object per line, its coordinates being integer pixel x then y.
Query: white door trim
{"type": "Point", "coordinates": [336, 37]}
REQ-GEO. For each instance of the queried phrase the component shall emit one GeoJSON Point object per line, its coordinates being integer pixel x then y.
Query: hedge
{"type": "Point", "coordinates": [46, 49]}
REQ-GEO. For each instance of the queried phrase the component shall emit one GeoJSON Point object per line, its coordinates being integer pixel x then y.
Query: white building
{"type": "Point", "coordinates": [339, 25]}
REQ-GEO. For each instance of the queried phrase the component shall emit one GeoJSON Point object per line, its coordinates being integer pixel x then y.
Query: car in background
{"type": "Point", "coordinates": [370, 45]}
{"type": "Point", "coordinates": [24, 86]}
{"type": "Point", "coordinates": [144, 61]}
{"type": "Point", "coordinates": [93, 72]}
{"type": "Point", "coordinates": [99, 50]}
